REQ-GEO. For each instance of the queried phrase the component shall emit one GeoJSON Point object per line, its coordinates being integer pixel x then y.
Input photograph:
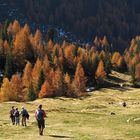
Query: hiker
{"type": "Point", "coordinates": [24, 115]}
{"type": "Point", "coordinates": [40, 115]}
{"type": "Point", "coordinates": [12, 111]}
{"type": "Point", "coordinates": [17, 117]}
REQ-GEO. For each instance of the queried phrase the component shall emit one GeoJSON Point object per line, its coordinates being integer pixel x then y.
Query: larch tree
{"type": "Point", "coordinates": [35, 74]}
{"type": "Point", "coordinates": [46, 90]}
{"type": "Point", "coordinates": [16, 27]}
{"type": "Point", "coordinates": [37, 37]}
{"type": "Point", "coordinates": [16, 83]}
{"type": "Point", "coordinates": [105, 42]}
{"type": "Point", "coordinates": [22, 50]}
{"type": "Point", "coordinates": [100, 72]}
{"type": "Point", "coordinates": [137, 72]}
{"type": "Point", "coordinates": [6, 47]}
{"type": "Point", "coordinates": [68, 83]}
{"type": "Point", "coordinates": [46, 66]}
{"type": "Point", "coordinates": [58, 83]}
{"type": "Point", "coordinates": [40, 80]}
{"type": "Point", "coordinates": [116, 56]}
{"type": "Point", "coordinates": [80, 80]}
{"type": "Point", "coordinates": [26, 30]}
{"type": "Point", "coordinates": [6, 88]}
{"type": "Point", "coordinates": [27, 79]}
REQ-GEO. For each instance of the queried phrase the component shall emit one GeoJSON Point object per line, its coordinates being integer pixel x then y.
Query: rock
{"type": "Point", "coordinates": [110, 103]}
{"type": "Point", "coordinates": [130, 119]}
{"type": "Point", "coordinates": [137, 120]}
{"type": "Point", "coordinates": [124, 104]}
{"type": "Point", "coordinates": [112, 113]}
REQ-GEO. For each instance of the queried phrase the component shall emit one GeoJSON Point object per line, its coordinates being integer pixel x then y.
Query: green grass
{"type": "Point", "coordinates": [79, 119]}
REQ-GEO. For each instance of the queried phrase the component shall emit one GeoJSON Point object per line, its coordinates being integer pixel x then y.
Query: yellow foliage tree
{"type": "Point", "coordinates": [16, 27]}
{"type": "Point", "coordinates": [35, 73]}
{"type": "Point", "coordinates": [26, 79]}
{"type": "Point", "coordinates": [6, 88]}
{"type": "Point", "coordinates": [80, 80]}
{"type": "Point", "coordinates": [46, 90]}
{"type": "Point", "coordinates": [100, 72]}
{"type": "Point", "coordinates": [137, 72]}
{"type": "Point", "coordinates": [17, 88]}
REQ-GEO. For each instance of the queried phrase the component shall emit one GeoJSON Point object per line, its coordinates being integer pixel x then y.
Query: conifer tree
{"type": "Point", "coordinates": [8, 70]}
{"type": "Point", "coordinates": [46, 90]}
{"type": "Point", "coordinates": [100, 72]}
{"type": "Point", "coordinates": [6, 89]}
{"type": "Point", "coordinates": [31, 93]}
{"type": "Point", "coordinates": [137, 72]}
{"type": "Point", "coordinates": [40, 80]}
{"type": "Point", "coordinates": [27, 79]}
{"type": "Point", "coordinates": [35, 74]}
{"type": "Point", "coordinates": [17, 88]}
{"type": "Point", "coordinates": [80, 80]}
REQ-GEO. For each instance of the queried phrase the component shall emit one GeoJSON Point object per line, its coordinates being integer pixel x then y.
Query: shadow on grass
{"type": "Point", "coordinates": [121, 88]}
{"type": "Point", "coordinates": [62, 137]}
{"type": "Point", "coordinates": [116, 79]}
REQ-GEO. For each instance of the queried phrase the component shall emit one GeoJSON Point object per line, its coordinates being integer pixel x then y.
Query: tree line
{"type": "Point", "coordinates": [36, 68]}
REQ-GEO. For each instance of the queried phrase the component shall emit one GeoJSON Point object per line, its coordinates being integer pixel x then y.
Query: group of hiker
{"type": "Point", "coordinates": [15, 115]}
{"type": "Point", "coordinates": [40, 114]}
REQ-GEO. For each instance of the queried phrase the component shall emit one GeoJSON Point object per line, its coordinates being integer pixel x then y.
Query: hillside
{"type": "Point", "coordinates": [80, 119]}
{"type": "Point", "coordinates": [118, 20]}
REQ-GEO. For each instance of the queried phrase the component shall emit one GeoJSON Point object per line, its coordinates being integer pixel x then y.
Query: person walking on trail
{"type": "Point", "coordinates": [17, 117]}
{"type": "Point", "coordinates": [40, 115]}
{"type": "Point", "coordinates": [12, 111]}
{"type": "Point", "coordinates": [24, 115]}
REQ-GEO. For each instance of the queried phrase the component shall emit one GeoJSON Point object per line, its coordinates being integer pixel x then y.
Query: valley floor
{"type": "Point", "coordinates": [99, 116]}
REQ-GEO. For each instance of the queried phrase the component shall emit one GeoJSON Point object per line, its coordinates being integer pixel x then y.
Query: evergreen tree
{"type": "Point", "coordinates": [40, 80]}
{"type": "Point", "coordinates": [8, 65]}
{"type": "Point", "coordinates": [31, 93]}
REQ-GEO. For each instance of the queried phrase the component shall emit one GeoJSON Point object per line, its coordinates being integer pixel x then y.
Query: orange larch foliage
{"type": "Point", "coordinates": [1, 47]}
{"type": "Point", "coordinates": [17, 92]}
{"type": "Point", "coordinates": [6, 88]}
{"type": "Point", "coordinates": [57, 82]}
{"type": "Point", "coordinates": [79, 81]}
{"type": "Point", "coordinates": [22, 48]}
{"type": "Point", "coordinates": [27, 79]}
{"type": "Point", "coordinates": [46, 90]}
{"type": "Point", "coordinates": [35, 73]}
{"type": "Point", "coordinates": [100, 72]}
{"type": "Point", "coordinates": [68, 82]}
{"type": "Point", "coordinates": [46, 66]}
{"type": "Point", "coordinates": [16, 27]}
{"type": "Point", "coordinates": [26, 30]}
{"type": "Point", "coordinates": [105, 42]}
{"type": "Point", "coordinates": [6, 47]}
{"type": "Point", "coordinates": [137, 72]}
{"type": "Point", "coordinates": [37, 37]}
{"type": "Point", "coordinates": [116, 56]}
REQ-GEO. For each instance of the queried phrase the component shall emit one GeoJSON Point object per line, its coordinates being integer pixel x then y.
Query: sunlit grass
{"type": "Point", "coordinates": [79, 119]}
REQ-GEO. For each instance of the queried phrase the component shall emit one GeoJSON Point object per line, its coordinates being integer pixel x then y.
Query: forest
{"type": "Point", "coordinates": [33, 67]}
{"type": "Point", "coordinates": [117, 19]}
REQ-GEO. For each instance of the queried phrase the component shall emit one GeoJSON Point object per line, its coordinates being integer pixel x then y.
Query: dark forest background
{"type": "Point", "coordinates": [119, 20]}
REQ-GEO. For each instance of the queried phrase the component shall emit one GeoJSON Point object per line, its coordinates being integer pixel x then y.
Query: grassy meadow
{"type": "Point", "coordinates": [99, 116]}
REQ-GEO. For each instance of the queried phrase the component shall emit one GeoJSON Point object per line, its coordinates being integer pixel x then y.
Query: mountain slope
{"type": "Point", "coordinates": [119, 20]}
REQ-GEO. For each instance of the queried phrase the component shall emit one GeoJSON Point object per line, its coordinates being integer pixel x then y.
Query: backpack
{"type": "Point", "coordinates": [24, 113]}
{"type": "Point", "coordinates": [27, 116]}
{"type": "Point", "coordinates": [17, 114]}
{"type": "Point", "coordinates": [40, 114]}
